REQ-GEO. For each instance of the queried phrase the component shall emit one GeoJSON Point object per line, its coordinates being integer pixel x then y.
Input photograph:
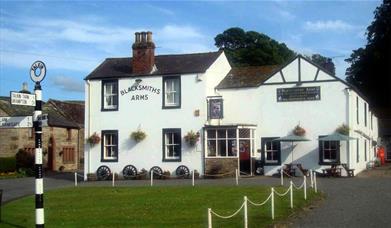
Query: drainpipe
{"type": "Point", "coordinates": [88, 130]}
{"type": "Point", "coordinates": [350, 123]}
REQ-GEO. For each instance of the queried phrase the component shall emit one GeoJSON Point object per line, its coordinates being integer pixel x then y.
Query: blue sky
{"type": "Point", "coordinates": [73, 37]}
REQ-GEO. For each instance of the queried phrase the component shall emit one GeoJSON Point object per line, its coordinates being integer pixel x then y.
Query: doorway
{"type": "Point", "coordinates": [51, 153]}
{"type": "Point", "coordinates": [245, 156]}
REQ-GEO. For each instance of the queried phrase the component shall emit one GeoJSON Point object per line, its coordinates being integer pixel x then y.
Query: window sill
{"type": "Point", "coordinates": [171, 107]}
{"type": "Point", "coordinates": [272, 163]}
{"type": "Point", "coordinates": [109, 160]}
{"type": "Point", "coordinates": [109, 109]}
{"type": "Point", "coordinates": [172, 160]}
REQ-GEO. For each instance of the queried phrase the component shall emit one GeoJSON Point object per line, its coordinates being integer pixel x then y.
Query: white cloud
{"type": "Point", "coordinates": [82, 44]}
{"type": "Point", "coordinates": [285, 14]}
{"type": "Point", "coordinates": [161, 10]}
{"type": "Point", "coordinates": [68, 84]}
{"type": "Point", "coordinates": [329, 25]}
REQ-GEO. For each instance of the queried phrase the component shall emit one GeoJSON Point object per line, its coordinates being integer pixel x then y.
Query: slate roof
{"type": "Point", "coordinates": [60, 114]}
{"type": "Point", "coordinates": [250, 76]}
{"type": "Point", "coordinates": [165, 64]}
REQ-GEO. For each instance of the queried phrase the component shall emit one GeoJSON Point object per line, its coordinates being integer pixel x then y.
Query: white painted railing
{"type": "Point", "coordinates": [244, 205]}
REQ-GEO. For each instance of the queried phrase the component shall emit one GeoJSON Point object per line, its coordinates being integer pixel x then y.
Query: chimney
{"type": "Point", "coordinates": [143, 53]}
{"type": "Point", "coordinates": [25, 88]}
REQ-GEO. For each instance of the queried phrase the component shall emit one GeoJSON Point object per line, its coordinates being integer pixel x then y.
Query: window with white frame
{"type": "Point", "coordinates": [223, 142]}
{"type": "Point", "coordinates": [172, 92]}
{"type": "Point", "coordinates": [110, 145]}
{"type": "Point", "coordinates": [272, 152]}
{"type": "Point", "coordinates": [329, 152]}
{"type": "Point", "coordinates": [110, 95]}
{"type": "Point", "coordinates": [172, 145]}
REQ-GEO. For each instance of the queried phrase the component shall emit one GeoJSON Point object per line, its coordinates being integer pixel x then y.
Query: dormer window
{"type": "Point", "coordinates": [110, 95]}
{"type": "Point", "coordinates": [172, 92]}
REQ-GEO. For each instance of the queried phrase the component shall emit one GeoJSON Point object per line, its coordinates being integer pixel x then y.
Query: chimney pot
{"type": "Point", "coordinates": [149, 37]}
{"type": "Point", "coordinates": [143, 37]}
{"type": "Point", "coordinates": [137, 37]}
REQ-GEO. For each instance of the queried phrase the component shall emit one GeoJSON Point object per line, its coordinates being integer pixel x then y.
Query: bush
{"type": "Point", "coordinates": [24, 160]}
{"type": "Point", "coordinates": [7, 164]}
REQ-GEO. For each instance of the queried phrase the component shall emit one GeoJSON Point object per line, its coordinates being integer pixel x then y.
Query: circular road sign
{"type": "Point", "coordinates": [37, 71]}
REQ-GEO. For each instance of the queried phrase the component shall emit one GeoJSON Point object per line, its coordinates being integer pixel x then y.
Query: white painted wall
{"type": "Point", "coordinates": [149, 116]}
{"type": "Point", "coordinates": [276, 119]}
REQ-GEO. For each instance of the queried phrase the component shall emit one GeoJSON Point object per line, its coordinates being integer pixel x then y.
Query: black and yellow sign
{"type": "Point", "coordinates": [298, 94]}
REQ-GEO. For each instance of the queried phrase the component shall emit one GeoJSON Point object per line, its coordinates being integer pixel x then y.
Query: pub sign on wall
{"type": "Point", "coordinates": [298, 94]}
{"type": "Point", "coordinates": [216, 108]}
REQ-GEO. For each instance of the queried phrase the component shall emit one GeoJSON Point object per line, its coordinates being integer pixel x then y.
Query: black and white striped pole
{"type": "Point", "coordinates": [37, 74]}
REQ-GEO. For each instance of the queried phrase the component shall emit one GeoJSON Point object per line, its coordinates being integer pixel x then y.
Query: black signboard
{"type": "Point", "coordinates": [216, 108]}
{"type": "Point", "coordinates": [298, 94]}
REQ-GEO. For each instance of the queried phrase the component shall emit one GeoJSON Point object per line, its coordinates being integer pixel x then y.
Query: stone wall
{"type": "Point", "coordinates": [11, 140]}
{"type": "Point", "coordinates": [220, 165]}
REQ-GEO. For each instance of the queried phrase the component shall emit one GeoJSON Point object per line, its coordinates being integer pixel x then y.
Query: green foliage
{"type": "Point", "coordinates": [343, 129]}
{"type": "Point", "coordinates": [7, 164]}
{"type": "Point", "coordinates": [175, 206]}
{"type": "Point", "coordinates": [370, 69]}
{"type": "Point", "coordinates": [24, 160]}
{"type": "Point", "coordinates": [192, 138]}
{"type": "Point", "coordinates": [252, 48]}
{"type": "Point", "coordinates": [138, 135]}
{"type": "Point", "coordinates": [326, 63]}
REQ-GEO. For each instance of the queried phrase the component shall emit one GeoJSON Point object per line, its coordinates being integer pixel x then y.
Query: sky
{"type": "Point", "coordinates": [74, 37]}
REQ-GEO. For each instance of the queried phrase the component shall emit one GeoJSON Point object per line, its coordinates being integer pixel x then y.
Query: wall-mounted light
{"type": "Point", "coordinates": [138, 81]}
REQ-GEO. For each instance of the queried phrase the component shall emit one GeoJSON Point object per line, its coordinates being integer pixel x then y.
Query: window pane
{"type": "Point", "coordinates": [211, 148]}
{"type": "Point", "coordinates": [333, 145]}
{"type": "Point", "coordinates": [232, 148]}
{"type": "Point", "coordinates": [326, 144]}
{"type": "Point", "coordinates": [244, 133]}
{"type": "Point", "coordinates": [231, 133]}
{"type": "Point", "coordinates": [177, 138]}
{"type": "Point", "coordinates": [221, 134]}
{"type": "Point", "coordinates": [211, 134]}
{"type": "Point", "coordinates": [221, 148]}
{"type": "Point", "coordinates": [268, 145]}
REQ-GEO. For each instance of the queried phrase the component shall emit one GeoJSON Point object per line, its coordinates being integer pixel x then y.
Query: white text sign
{"type": "Point", "coordinates": [22, 99]}
{"type": "Point", "coordinates": [16, 122]}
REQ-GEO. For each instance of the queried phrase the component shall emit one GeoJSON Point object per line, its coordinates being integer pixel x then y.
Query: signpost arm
{"type": "Point", "coordinates": [39, 209]}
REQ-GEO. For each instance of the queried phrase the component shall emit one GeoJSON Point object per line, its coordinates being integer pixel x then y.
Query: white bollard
{"type": "Point", "coordinates": [237, 177]}
{"type": "Point", "coordinates": [315, 184]}
{"type": "Point", "coordinates": [245, 213]}
{"type": "Point", "coordinates": [305, 187]}
{"type": "Point", "coordinates": [151, 178]}
{"type": "Point", "coordinates": [209, 218]}
{"type": "Point", "coordinates": [291, 193]}
{"type": "Point", "coordinates": [312, 178]}
{"type": "Point", "coordinates": [75, 179]}
{"type": "Point", "coordinates": [272, 203]}
{"type": "Point", "coordinates": [192, 178]}
{"type": "Point", "coordinates": [282, 176]}
{"type": "Point", "coordinates": [112, 184]}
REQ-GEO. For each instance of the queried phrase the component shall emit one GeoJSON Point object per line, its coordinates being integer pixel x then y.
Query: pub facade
{"type": "Point", "coordinates": [196, 112]}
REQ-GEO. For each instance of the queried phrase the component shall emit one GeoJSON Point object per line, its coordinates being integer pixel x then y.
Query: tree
{"type": "Point", "coordinates": [370, 69]}
{"type": "Point", "coordinates": [326, 63]}
{"type": "Point", "coordinates": [252, 48]}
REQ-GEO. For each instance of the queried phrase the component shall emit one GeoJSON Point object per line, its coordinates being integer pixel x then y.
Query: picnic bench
{"type": "Point", "coordinates": [303, 171]}
{"type": "Point", "coordinates": [333, 171]}
{"type": "Point", "coordinates": [288, 170]}
{"type": "Point", "coordinates": [350, 172]}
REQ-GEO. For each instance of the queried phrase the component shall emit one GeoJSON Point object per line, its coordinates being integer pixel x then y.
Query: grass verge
{"type": "Point", "coordinates": [151, 207]}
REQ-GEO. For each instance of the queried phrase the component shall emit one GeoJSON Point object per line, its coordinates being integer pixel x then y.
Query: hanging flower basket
{"type": "Point", "coordinates": [138, 135]}
{"type": "Point", "coordinates": [192, 138]}
{"type": "Point", "coordinates": [93, 139]}
{"type": "Point", "coordinates": [343, 129]}
{"type": "Point", "coordinates": [299, 131]}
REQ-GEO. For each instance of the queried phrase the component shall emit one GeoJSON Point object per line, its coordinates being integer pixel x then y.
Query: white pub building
{"type": "Point", "coordinates": [236, 112]}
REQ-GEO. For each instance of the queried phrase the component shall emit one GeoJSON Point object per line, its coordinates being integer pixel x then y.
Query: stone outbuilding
{"type": "Point", "coordinates": [63, 134]}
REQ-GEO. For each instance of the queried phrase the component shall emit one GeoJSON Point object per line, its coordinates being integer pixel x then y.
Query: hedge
{"type": "Point", "coordinates": [7, 164]}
